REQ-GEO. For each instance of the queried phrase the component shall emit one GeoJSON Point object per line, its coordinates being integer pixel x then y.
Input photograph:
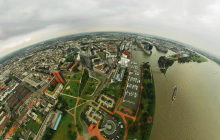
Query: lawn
{"type": "Point", "coordinates": [79, 125]}
{"type": "Point", "coordinates": [33, 126]}
{"type": "Point", "coordinates": [67, 77]}
{"type": "Point", "coordinates": [89, 88]}
{"type": "Point", "coordinates": [71, 102]}
{"type": "Point", "coordinates": [76, 76]}
{"type": "Point", "coordinates": [66, 129]}
{"type": "Point", "coordinates": [72, 88]}
{"type": "Point", "coordinates": [113, 90]}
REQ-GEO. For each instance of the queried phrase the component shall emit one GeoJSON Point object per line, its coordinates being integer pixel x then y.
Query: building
{"type": "Point", "coordinates": [100, 68]}
{"type": "Point", "coordinates": [54, 94]}
{"type": "Point", "coordinates": [55, 119]}
{"type": "Point", "coordinates": [3, 118]}
{"type": "Point", "coordinates": [59, 77]}
{"type": "Point", "coordinates": [124, 62]}
{"type": "Point", "coordinates": [34, 81]}
{"type": "Point", "coordinates": [125, 59]}
{"type": "Point", "coordinates": [7, 90]}
{"type": "Point", "coordinates": [131, 96]}
{"type": "Point", "coordinates": [106, 101]}
{"type": "Point", "coordinates": [86, 60]}
{"type": "Point", "coordinates": [66, 66]}
{"type": "Point", "coordinates": [2, 85]}
{"type": "Point", "coordinates": [126, 54]}
{"type": "Point", "coordinates": [119, 74]}
{"type": "Point", "coordinates": [20, 95]}
{"type": "Point", "coordinates": [32, 114]}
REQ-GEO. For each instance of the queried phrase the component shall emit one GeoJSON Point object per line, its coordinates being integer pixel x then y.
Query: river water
{"type": "Point", "coordinates": [195, 114]}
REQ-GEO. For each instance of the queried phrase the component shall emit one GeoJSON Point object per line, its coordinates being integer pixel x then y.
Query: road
{"type": "Point", "coordinates": [43, 127]}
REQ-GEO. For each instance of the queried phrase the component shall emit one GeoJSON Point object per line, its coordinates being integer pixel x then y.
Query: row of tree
{"type": "Point", "coordinates": [85, 78]}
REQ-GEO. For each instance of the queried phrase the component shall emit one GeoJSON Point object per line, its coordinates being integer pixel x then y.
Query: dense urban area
{"type": "Point", "coordinates": [85, 86]}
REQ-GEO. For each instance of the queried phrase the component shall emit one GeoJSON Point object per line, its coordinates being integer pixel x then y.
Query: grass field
{"type": "Point", "coordinates": [33, 126]}
{"type": "Point", "coordinates": [71, 102]}
{"type": "Point", "coordinates": [113, 90]}
{"type": "Point", "coordinates": [76, 76]}
{"type": "Point", "coordinates": [66, 129]}
{"type": "Point", "coordinates": [89, 88]}
{"type": "Point", "coordinates": [79, 126]}
{"type": "Point", "coordinates": [72, 88]}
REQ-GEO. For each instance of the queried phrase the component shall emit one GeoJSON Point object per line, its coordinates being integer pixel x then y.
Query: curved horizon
{"type": "Point", "coordinates": [84, 33]}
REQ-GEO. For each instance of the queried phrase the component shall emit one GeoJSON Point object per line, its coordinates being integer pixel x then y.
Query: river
{"type": "Point", "coordinates": [195, 113]}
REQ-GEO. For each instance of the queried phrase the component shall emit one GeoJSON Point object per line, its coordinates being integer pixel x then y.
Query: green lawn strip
{"type": "Point", "coordinates": [84, 80]}
{"type": "Point", "coordinates": [71, 102]}
{"type": "Point", "coordinates": [73, 90]}
{"type": "Point", "coordinates": [79, 125]}
{"type": "Point", "coordinates": [66, 129]}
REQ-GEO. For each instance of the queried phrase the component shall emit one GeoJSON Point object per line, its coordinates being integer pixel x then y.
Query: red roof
{"type": "Point", "coordinates": [91, 127]}
{"type": "Point", "coordinates": [126, 53]}
{"type": "Point", "coordinates": [74, 65]}
{"type": "Point", "coordinates": [10, 132]}
{"type": "Point", "coordinates": [3, 87]}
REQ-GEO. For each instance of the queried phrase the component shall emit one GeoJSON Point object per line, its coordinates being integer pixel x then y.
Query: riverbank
{"type": "Point", "coordinates": [166, 62]}
{"type": "Point", "coordinates": [141, 128]}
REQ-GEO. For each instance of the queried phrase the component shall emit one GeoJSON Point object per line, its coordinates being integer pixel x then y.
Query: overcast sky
{"type": "Point", "coordinates": [196, 22]}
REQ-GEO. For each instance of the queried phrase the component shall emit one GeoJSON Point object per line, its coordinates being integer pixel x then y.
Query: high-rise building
{"type": "Point", "coordinates": [86, 60]}
{"type": "Point", "coordinates": [59, 77]}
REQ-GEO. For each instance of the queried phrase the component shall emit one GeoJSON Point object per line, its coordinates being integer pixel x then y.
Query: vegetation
{"type": "Point", "coordinates": [52, 87]}
{"type": "Point", "coordinates": [48, 134]}
{"type": "Point", "coordinates": [67, 124]}
{"type": "Point", "coordinates": [141, 129]}
{"type": "Point", "coordinates": [71, 88]}
{"type": "Point", "coordinates": [67, 102]}
{"type": "Point", "coordinates": [71, 57]}
{"type": "Point", "coordinates": [94, 138]}
{"type": "Point", "coordinates": [164, 63]}
{"type": "Point", "coordinates": [90, 87]}
{"type": "Point", "coordinates": [78, 111]}
{"type": "Point", "coordinates": [193, 57]}
{"type": "Point", "coordinates": [33, 126]}
{"type": "Point", "coordinates": [75, 69]}
{"type": "Point", "coordinates": [101, 55]}
{"type": "Point", "coordinates": [76, 76]}
{"type": "Point", "coordinates": [84, 80]}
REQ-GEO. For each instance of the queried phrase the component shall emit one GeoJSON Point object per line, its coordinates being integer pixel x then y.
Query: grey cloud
{"type": "Point", "coordinates": [184, 20]}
